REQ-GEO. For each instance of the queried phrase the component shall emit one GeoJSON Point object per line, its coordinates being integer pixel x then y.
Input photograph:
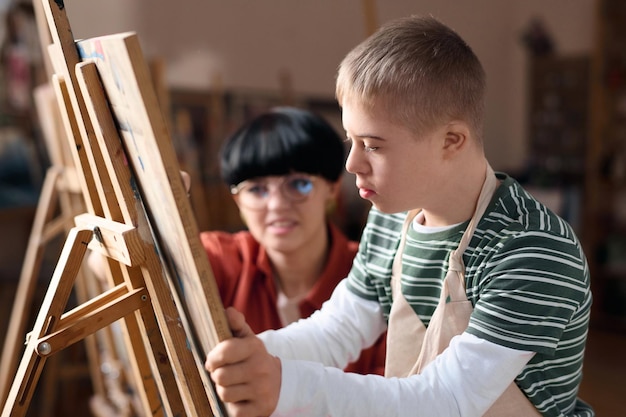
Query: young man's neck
{"type": "Point", "coordinates": [462, 191]}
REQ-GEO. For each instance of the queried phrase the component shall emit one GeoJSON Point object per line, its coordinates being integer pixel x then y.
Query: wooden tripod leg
{"type": "Point", "coordinates": [14, 342]}
{"type": "Point", "coordinates": [54, 304]}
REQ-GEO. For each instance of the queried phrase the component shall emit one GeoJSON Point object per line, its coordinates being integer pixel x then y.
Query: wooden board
{"type": "Point", "coordinates": [150, 152]}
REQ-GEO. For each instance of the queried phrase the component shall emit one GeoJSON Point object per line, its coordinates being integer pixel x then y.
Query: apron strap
{"type": "Point", "coordinates": [405, 331]}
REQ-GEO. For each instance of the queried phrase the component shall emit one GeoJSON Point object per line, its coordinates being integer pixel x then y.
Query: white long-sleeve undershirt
{"type": "Point", "coordinates": [463, 381]}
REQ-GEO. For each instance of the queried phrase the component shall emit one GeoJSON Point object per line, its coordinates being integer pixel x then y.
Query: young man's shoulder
{"type": "Point", "coordinates": [517, 225]}
{"type": "Point", "coordinates": [514, 208]}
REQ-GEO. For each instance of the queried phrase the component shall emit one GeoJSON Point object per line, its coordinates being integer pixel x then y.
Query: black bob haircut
{"type": "Point", "coordinates": [281, 141]}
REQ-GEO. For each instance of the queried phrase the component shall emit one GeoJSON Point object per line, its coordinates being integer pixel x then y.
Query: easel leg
{"type": "Point", "coordinates": [52, 308]}
{"type": "Point", "coordinates": [14, 341]}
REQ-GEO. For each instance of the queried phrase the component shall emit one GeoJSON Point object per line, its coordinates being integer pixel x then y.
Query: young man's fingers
{"type": "Point", "coordinates": [231, 374]}
{"type": "Point", "coordinates": [244, 409]}
{"type": "Point", "coordinates": [186, 180]}
{"type": "Point", "coordinates": [227, 352]}
{"type": "Point", "coordinates": [234, 350]}
{"type": "Point", "coordinates": [237, 323]}
{"type": "Point", "coordinates": [249, 408]}
{"type": "Point", "coordinates": [233, 393]}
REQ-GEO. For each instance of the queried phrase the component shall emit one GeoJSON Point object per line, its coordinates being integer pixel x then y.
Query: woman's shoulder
{"type": "Point", "coordinates": [225, 243]}
{"type": "Point", "coordinates": [340, 240]}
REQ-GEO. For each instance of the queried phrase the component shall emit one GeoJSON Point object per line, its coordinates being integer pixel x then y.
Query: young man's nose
{"type": "Point", "coordinates": [353, 161]}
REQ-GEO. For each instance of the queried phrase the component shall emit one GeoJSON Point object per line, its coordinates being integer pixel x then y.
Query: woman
{"type": "Point", "coordinates": [283, 169]}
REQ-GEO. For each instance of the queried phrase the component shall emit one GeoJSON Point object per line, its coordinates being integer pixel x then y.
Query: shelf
{"type": "Point", "coordinates": [558, 122]}
{"type": "Point", "coordinates": [605, 218]}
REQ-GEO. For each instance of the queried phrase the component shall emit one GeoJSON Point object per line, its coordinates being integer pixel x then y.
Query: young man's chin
{"type": "Point", "coordinates": [387, 208]}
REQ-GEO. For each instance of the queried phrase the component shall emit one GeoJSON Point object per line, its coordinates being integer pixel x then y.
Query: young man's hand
{"type": "Point", "coordinates": [186, 180]}
{"type": "Point", "coordinates": [246, 376]}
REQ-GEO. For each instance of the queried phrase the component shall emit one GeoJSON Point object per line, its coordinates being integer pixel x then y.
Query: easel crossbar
{"type": "Point", "coordinates": [92, 316]}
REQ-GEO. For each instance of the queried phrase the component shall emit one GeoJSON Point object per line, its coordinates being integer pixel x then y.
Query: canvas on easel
{"type": "Point", "coordinates": [126, 80]}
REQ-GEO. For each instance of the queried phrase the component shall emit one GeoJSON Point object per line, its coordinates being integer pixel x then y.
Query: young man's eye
{"type": "Point", "coordinates": [361, 144]}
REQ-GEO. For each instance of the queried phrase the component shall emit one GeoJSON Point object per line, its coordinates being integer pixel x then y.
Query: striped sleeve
{"type": "Point", "coordinates": [537, 282]}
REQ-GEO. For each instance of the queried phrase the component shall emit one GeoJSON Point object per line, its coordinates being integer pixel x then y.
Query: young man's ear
{"type": "Point", "coordinates": [457, 136]}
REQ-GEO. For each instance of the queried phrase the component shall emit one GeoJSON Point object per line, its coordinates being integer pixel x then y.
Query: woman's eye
{"type": "Point", "coordinates": [301, 185]}
{"type": "Point", "coordinates": [369, 148]}
{"type": "Point", "coordinates": [257, 189]}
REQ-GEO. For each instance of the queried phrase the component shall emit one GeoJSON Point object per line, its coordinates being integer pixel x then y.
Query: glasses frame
{"type": "Point", "coordinates": [235, 190]}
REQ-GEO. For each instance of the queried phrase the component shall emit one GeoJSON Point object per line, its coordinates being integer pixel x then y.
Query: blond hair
{"type": "Point", "coordinates": [419, 71]}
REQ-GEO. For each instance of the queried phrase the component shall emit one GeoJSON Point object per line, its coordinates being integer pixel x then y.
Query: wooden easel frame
{"type": "Point", "coordinates": [165, 291]}
{"type": "Point", "coordinates": [60, 200]}
{"type": "Point", "coordinates": [113, 389]}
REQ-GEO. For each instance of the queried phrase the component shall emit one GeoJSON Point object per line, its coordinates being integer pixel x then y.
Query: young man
{"type": "Point", "coordinates": [484, 291]}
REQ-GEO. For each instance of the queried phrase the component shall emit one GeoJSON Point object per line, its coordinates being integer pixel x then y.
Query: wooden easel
{"type": "Point", "coordinates": [60, 200]}
{"type": "Point", "coordinates": [139, 218]}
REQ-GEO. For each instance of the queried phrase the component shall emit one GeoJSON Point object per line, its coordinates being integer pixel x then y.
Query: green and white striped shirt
{"type": "Point", "coordinates": [526, 277]}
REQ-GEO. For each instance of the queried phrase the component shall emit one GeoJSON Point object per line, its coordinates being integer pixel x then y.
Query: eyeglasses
{"type": "Point", "coordinates": [254, 193]}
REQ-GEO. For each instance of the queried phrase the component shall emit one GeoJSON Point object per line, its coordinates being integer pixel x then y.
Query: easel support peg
{"type": "Point", "coordinates": [113, 239]}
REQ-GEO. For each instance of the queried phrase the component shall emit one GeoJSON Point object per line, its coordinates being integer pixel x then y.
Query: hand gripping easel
{"type": "Point", "coordinates": [139, 217]}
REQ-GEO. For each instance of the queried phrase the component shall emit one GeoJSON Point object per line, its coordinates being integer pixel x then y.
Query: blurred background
{"type": "Point", "coordinates": [556, 111]}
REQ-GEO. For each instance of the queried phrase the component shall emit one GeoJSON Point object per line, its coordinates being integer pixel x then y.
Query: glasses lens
{"type": "Point", "coordinates": [252, 194]}
{"type": "Point", "coordinates": [297, 188]}
{"type": "Point", "coordinates": [255, 189]}
{"type": "Point", "coordinates": [255, 193]}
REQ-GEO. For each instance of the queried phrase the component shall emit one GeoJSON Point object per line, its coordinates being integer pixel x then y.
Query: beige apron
{"type": "Point", "coordinates": [411, 346]}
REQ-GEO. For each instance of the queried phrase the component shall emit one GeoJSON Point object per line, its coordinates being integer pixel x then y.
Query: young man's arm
{"type": "Point", "coordinates": [464, 381]}
{"type": "Point", "coordinates": [335, 335]}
